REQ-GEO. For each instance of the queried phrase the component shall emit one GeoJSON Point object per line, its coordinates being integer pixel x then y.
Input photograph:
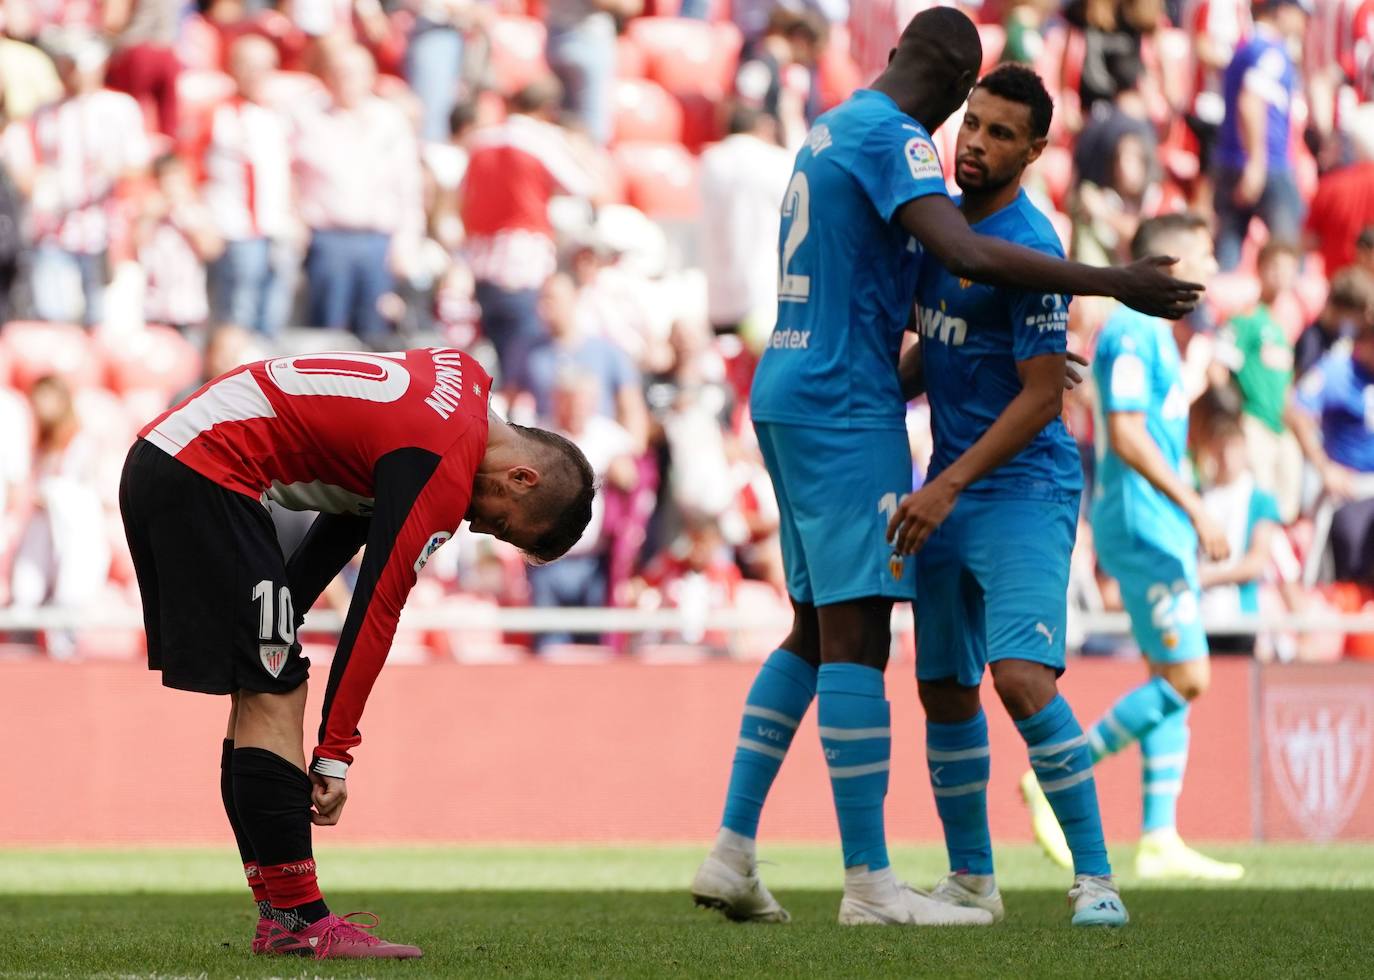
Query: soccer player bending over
{"type": "Point", "coordinates": [395, 451]}
{"type": "Point", "coordinates": [865, 201]}
{"type": "Point", "coordinates": [993, 528]}
{"type": "Point", "coordinates": [1148, 524]}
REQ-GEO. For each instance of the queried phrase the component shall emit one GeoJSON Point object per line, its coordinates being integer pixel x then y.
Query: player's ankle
{"type": "Point", "coordinates": [735, 850]}
{"type": "Point", "coordinates": [860, 882]}
{"type": "Point", "coordinates": [981, 885]}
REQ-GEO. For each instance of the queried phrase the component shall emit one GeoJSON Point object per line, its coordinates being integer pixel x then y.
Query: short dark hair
{"type": "Point", "coordinates": [1365, 239]}
{"type": "Point", "coordinates": [1275, 247]}
{"type": "Point", "coordinates": [1352, 289]}
{"type": "Point", "coordinates": [571, 488]}
{"type": "Point", "coordinates": [1017, 83]}
{"type": "Point", "coordinates": [1154, 230]}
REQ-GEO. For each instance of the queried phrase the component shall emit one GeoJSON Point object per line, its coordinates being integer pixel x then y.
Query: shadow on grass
{"type": "Point", "coordinates": [1174, 933]}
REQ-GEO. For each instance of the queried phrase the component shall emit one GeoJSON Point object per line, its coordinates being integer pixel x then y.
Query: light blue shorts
{"type": "Point", "coordinates": [836, 489]}
{"type": "Point", "coordinates": [994, 581]}
{"type": "Point", "coordinates": [1160, 591]}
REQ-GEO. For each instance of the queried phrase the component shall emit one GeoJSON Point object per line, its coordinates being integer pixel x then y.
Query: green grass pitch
{"type": "Point", "coordinates": [540, 911]}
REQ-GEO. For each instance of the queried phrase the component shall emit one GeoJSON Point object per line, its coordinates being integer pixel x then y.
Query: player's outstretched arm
{"type": "Point", "coordinates": [1039, 402]}
{"type": "Point", "coordinates": [1144, 285]}
{"type": "Point", "coordinates": [1131, 440]}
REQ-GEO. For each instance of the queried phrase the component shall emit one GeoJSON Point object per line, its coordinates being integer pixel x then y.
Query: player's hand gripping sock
{"type": "Point", "coordinates": [1063, 765]}
{"type": "Point", "coordinates": [959, 761]}
{"type": "Point", "coordinates": [1134, 716]}
{"type": "Point", "coordinates": [250, 861]}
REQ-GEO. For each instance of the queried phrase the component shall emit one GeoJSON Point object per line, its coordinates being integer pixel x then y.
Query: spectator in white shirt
{"type": "Point", "coordinates": [176, 238]}
{"type": "Point", "coordinates": [67, 160]}
{"type": "Point", "coordinates": [359, 191]}
{"type": "Point", "coordinates": [743, 179]}
{"type": "Point", "coordinates": [248, 191]}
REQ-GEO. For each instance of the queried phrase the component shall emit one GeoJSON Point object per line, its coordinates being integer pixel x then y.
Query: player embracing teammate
{"type": "Point", "coordinates": [865, 208]}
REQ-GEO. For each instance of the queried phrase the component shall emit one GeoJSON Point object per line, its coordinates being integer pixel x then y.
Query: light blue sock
{"type": "Point", "coordinates": [1165, 755]}
{"type": "Point", "coordinates": [960, 761]}
{"type": "Point", "coordinates": [1059, 755]}
{"type": "Point", "coordinates": [1134, 716]}
{"type": "Point", "coordinates": [781, 693]}
{"type": "Point", "coordinates": [856, 734]}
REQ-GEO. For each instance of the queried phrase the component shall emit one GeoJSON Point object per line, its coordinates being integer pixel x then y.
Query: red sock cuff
{"type": "Point", "coordinates": [291, 884]}
{"type": "Point", "coordinates": [255, 882]}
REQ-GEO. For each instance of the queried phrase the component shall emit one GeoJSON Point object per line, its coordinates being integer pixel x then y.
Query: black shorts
{"type": "Point", "coordinates": [216, 607]}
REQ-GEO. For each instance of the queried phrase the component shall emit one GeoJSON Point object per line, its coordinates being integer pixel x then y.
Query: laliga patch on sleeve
{"type": "Point", "coordinates": [922, 160]}
{"type": "Point", "coordinates": [1128, 377]}
{"type": "Point", "coordinates": [435, 542]}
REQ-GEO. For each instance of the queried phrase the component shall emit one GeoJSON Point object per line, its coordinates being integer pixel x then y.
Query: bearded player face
{"type": "Point", "coordinates": [995, 143]}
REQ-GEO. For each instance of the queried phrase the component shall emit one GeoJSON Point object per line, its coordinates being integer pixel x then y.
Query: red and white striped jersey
{"type": "Point", "coordinates": [513, 171]}
{"type": "Point", "coordinates": [396, 438]}
{"type": "Point", "coordinates": [75, 151]}
{"type": "Point", "coordinates": [248, 171]}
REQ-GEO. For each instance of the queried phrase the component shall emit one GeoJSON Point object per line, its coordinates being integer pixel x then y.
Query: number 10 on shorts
{"type": "Point", "coordinates": [285, 613]}
{"type": "Point", "coordinates": [887, 509]}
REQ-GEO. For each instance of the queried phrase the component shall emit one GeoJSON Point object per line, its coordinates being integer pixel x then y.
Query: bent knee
{"type": "Point", "coordinates": [1190, 679]}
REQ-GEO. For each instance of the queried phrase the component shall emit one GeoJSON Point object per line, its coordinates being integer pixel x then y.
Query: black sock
{"type": "Point", "coordinates": [272, 798]}
{"type": "Point", "coordinates": [226, 794]}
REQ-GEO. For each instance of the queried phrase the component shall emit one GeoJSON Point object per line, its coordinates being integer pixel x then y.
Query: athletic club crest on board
{"type": "Point", "coordinates": [273, 657]}
{"type": "Point", "coordinates": [1320, 740]}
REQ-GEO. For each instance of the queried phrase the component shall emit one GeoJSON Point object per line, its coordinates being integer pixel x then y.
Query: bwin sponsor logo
{"type": "Point", "coordinates": [938, 325]}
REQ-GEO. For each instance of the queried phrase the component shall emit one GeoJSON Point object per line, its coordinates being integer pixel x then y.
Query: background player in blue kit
{"type": "Point", "coordinates": [1148, 523]}
{"type": "Point", "coordinates": [995, 521]}
{"type": "Point", "coordinates": [867, 195]}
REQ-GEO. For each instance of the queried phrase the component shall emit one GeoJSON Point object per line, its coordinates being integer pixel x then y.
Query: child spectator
{"type": "Point", "coordinates": [176, 238]}
{"type": "Point", "coordinates": [1348, 304]}
{"type": "Point", "coordinates": [1254, 348]}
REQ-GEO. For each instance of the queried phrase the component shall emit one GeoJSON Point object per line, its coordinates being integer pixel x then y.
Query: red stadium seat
{"type": "Point", "coordinates": [1055, 168]}
{"type": "Point", "coordinates": [37, 348]}
{"type": "Point", "coordinates": [156, 358]}
{"type": "Point", "coordinates": [630, 59]}
{"type": "Point", "coordinates": [689, 55]}
{"type": "Point", "coordinates": [994, 38]}
{"type": "Point", "coordinates": [517, 52]}
{"type": "Point", "coordinates": [662, 179]}
{"type": "Point", "coordinates": [645, 112]}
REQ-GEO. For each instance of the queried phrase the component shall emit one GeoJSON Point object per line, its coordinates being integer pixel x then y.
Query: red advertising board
{"type": "Point", "coordinates": [1315, 729]}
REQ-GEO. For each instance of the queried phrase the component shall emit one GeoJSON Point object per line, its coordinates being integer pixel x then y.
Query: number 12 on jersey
{"type": "Point", "coordinates": [793, 287]}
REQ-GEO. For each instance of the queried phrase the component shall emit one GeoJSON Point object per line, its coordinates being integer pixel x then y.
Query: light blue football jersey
{"type": "Point", "coordinates": [1137, 369]}
{"type": "Point", "coordinates": [847, 270]}
{"type": "Point", "coordinates": [972, 335]}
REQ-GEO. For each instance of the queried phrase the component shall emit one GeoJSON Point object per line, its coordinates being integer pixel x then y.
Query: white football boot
{"type": "Point", "coordinates": [971, 891]}
{"type": "Point", "coordinates": [728, 881]}
{"type": "Point", "coordinates": [1097, 902]}
{"type": "Point", "coordinates": [877, 898]}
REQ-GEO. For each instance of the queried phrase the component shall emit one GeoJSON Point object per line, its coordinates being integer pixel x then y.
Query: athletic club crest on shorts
{"type": "Point", "coordinates": [1320, 742]}
{"type": "Point", "coordinates": [273, 656]}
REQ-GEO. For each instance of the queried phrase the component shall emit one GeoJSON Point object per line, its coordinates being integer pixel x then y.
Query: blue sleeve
{"type": "Point", "coordinates": [897, 163]}
{"type": "Point", "coordinates": [624, 374]}
{"type": "Point", "coordinates": [1311, 390]}
{"type": "Point", "coordinates": [1124, 364]}
{"type": "Point", "coordinates": [1039, 320]}
{"type": "Point", "coordinates": [1263, 507]}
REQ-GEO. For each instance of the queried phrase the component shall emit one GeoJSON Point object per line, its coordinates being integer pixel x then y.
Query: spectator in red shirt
{"type": "Point", "coordinates": [514, 169]}
{"type": "Point", "coordinates": [145, 62]}
{"type": "Point", "coordinates": [1344, 203]}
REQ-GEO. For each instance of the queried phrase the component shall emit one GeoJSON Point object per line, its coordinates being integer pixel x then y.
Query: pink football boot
{"type": "Point", "coordinates": [264, 933]}
{"type": "Point", "coordinates": [335, 937]}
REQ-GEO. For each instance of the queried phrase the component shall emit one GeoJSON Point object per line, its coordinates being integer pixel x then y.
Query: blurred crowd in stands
{"type": "Point", "coordinates": [585, 193]}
